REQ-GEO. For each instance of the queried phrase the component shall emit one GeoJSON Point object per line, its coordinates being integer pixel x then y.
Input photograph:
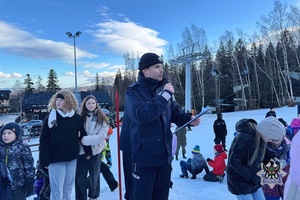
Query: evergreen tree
{"type": "Point", "coordinates": [39, 85]}
{"type": "Point", "coordinates": [52, 83]}
{"type": "Point", "coordinates": [28, 84]}
{"type": "Point", "coordinates": [97, 83]}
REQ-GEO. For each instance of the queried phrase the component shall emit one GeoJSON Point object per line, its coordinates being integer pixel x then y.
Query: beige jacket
{"type": "Point", "coordinates": [96, 134]}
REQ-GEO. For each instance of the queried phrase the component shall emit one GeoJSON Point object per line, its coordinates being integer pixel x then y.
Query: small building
{"type": "Point", "coordinates": [34, 106]}
{"type": "Point", "coordinates": [4, 101]}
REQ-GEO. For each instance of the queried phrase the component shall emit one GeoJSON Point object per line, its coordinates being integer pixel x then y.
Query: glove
{"type": "Point", "coordinates": [208, 159]}
{"type": "Point", "coordinates": [109, 163]}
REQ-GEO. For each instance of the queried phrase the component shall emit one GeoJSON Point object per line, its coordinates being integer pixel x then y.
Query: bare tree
{"type": "Point", "coordinates": [274, 25]}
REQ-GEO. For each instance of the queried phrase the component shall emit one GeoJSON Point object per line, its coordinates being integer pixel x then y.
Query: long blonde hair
{"type": "Point", "coordinates": [70, 101]}
{"type": "Point", "coordinates": [98, 112]}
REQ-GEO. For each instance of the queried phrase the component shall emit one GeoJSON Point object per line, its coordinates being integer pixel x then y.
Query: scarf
{"type": "Point", "coordinates": [52, 116]}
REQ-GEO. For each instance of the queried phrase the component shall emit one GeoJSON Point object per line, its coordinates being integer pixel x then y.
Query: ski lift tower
{"type": "Point", "coordinates": [188, 57]}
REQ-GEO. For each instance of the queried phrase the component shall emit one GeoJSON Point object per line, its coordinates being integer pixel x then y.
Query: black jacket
{"type": "Point", "coordinates": [61, 142]}
{"type": "Point", "coordinates": [242, 178]}
{"type": "Point", "coordinates": [220, 127]}
{"type": "Point", "coordinates": [150, 116]}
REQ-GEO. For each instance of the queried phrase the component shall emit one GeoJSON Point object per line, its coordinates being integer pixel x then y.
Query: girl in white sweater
{"type": "Point", "coordinates": [96, 126]}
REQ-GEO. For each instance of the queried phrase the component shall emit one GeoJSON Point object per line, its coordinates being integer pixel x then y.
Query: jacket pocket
{"type": "Point", "coordinates": [152, 147]}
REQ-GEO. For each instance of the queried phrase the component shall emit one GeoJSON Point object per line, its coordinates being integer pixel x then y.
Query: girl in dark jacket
{"type": "Point", "coordinates": [246, 154]}
{"type": "Point", "coordinates": [59, 143]}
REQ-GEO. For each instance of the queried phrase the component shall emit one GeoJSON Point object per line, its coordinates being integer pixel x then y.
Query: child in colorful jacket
{"type": "Point", "coordinates": [218, 165]}
{"type": "Point", "coordinates": [18, 159]}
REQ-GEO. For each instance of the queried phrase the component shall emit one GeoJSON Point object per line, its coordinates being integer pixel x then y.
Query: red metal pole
{"type": "Point", "coordinates": [118, 142]}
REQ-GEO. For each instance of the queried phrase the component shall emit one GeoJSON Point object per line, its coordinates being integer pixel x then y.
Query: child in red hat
{"type": "Point", "coordinates": [218, 165]}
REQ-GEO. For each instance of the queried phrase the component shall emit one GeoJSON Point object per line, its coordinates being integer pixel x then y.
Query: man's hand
{"type": "Point", "coordinates": [169, 87]}
{"type": "Point", "coordinates": [196, 122]}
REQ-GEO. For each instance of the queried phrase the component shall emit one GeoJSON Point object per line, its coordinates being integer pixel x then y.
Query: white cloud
{"type": "Point", "coordinates": [13, 75]}
{"type": "Point", "coordinates": [94, 65]}
{"type": "Point", "coordinates": [69, 73]}
{"type": "Point", "coordinates": [87, 74]}
{"type": "Point", "coordinates": [19, 42]}
{"type": "Point", "coordinates": [121, 37]}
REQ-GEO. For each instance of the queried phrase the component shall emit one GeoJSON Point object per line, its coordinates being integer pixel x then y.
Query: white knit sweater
{"type": "Point", "coordinates": [96, 134]}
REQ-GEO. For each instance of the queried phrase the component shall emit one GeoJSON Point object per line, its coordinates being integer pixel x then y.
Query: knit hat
{"type": "Point", "coordinates": [271, 128]}
{"type": "Point", "coordinates": [295, 124]}
{"type": "Point", "coordinates": [283, 122]}
{"type": "Point", "coordinates": [218, 147]}
{"type": "Point", "coordinates": [149, 59]}
{"type": "Point", "coordinates": [13, 127]}
{"type": "Point", "coordinates": [196, 150]}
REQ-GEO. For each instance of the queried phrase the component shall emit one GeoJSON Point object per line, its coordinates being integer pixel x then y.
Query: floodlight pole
{"type": "Point", "coordinates": [70, 35]}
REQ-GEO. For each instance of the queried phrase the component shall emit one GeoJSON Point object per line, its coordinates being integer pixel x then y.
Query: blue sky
{"type": "Point", "coordinates": [33, 39]}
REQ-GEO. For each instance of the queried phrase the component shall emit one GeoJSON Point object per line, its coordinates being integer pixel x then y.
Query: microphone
{"type": "Point", "coordinates": [166, 80]}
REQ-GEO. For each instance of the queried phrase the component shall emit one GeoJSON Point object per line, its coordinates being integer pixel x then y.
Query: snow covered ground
{"type": "Point", "coordinates": [202, 135]}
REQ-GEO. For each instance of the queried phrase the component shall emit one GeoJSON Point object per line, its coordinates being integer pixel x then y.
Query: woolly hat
{"type": "Point", "coordinates": [283, 122]}
{"type": "Point", "coordinates": [218, 147]}
{"type": "Point", "coordinates": [149, 59]}
{"type": "Point", "coordinates": [295, 124]}
{"type": "Point", "coordinates": [13, 127]}
{"type": "Point", "coordinates": [271, 128]}
{"type": "Point", "coordinates": [196, 150]}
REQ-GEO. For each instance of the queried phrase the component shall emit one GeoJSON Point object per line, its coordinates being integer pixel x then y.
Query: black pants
{"type": "Point", "coordinates": [108, 176]}
{"type": "Point", "coordinates": [91, 183]}
{"type": "Point", "coordinates": [220, 139]}
{"type": "Point", "coordinates": [127, 176]}
{"type": "Point", "coordinates": [18, 194]}
{"type": "Point", "coordinates": [210, 177]}
{"type": "Point", "coordinates": [151, 183]}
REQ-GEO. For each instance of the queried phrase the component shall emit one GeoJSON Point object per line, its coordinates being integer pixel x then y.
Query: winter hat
{"type": "Point", "coordinates": [271, 128]}
{"type": "Point", "coordinates": [283, 122]}
{"type": "Point", "coordinates": [196, 150]}
{"type": "Point", "coordinates": [218, 148]}
{"type": "Point", "coordinates": [295, 124]}
{"type": "Point", "coordinates": [13, 127]}
{"type": "Point", "coordinates": [219, 115]}
{"type": "Point", "coordinates": [149, 59]}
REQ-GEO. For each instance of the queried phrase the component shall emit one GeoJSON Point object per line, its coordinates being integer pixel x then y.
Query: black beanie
{"type": "Point", "coordinates": [13, 127]}
{"type": "Point", "coordinates": [149, 59]}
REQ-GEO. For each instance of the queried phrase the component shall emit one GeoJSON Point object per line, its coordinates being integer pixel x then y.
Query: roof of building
{"type": "Point", "coordinates": [4, 94]}
{"type": "Point", "coordinates": [41, 100]}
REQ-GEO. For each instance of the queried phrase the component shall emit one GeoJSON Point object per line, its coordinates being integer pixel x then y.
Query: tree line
{"type": "Point", "coordinates": [248, 71]}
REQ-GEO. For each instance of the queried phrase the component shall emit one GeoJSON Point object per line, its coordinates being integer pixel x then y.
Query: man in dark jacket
{"type": "Point", "coordinates": [220, 131]}
{"type": "Point", "coordinates": [151, 110]}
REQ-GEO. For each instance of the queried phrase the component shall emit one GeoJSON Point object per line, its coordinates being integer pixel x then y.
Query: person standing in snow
{"type": "Point", "coordinates": [181, 142]}
{"type": "Point", "coordinates": [194, 165]}
{"type": "Point", "coordinates": [62, 131]}
{"type": "Point", "coordinates": [17, 159]}
{"type": "Point", "coordinates": [220, 131]}
{"type": "Point", "coordinates": [96, 125]}
{"type": "Point", "coordinates": [246, 154]}
{"type": "Point", "coordinates": [278, 153]}
{"type": "Point", "coordinates": [151, 110]}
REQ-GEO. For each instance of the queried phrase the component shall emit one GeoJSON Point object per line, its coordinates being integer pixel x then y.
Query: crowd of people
{"type": "Point", "coordinates": [73, 146]}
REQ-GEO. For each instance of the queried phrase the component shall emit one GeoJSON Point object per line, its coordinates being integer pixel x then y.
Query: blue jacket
{"type": "Point", "coordinates": [150, 111]}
